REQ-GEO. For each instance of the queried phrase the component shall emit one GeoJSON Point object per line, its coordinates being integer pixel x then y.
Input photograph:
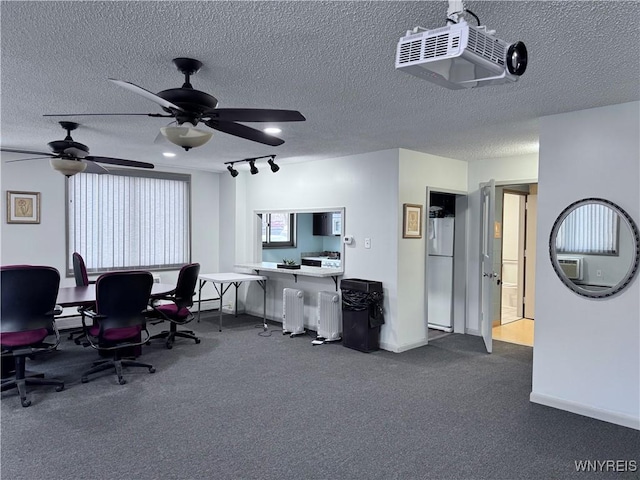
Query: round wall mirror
{"type": "Point", "coordinates": [595, 248]}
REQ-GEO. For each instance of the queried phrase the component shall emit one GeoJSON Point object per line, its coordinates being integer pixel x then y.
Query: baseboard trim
{"type": "Point", "coordinates": [472, 331]}
{"type": "Point", "coordinates": [586, 410]}
{"type": "Point", "coordinates": [403, 348]}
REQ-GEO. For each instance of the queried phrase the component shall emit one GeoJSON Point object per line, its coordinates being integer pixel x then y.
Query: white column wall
{"type": "Point", "coordinates": [367, 186]}
{"type": "Point", "coordinates": [519, 169]}
{"type": "Point", "coordinates": [45, 243]}
{"type": "Point", "coordinates": [417, 171]}
{"type": "Point", "coordinates": [587, 352]}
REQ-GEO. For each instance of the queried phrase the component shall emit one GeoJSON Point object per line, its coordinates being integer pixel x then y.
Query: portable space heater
{"type": "Point", "coordinates": [292, 311]}
{"type": "Point", "coordinates": [329, 325]}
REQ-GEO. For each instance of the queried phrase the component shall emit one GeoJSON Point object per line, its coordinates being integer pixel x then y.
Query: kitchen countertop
{"type": "Point", "coordinates": [303, 270]}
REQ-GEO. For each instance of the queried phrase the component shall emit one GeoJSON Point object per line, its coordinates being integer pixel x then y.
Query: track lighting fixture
{"type": "Point", "coordinates": [252, 165]}
{"type": "Point", "coordinates": [274, 167]}
{"type": "Point", "coordinates": [232, 171]}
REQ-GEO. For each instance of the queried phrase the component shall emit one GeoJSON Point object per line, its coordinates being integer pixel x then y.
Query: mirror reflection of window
{"type": "Point", "coordinates": [278, 230]}
{"type": "Point", "coordinates": [589, 229]}
{"type": "Point", "coordinates": [594, 247]}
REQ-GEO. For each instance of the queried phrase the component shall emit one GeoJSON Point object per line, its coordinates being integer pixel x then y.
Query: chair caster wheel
{"type": "Point", "coordinates": [26, 403]}
{"type": "Point", "coordinates": [169, 345]}
{"type": "Point", "coordinates": [122, 381]}
{"type": "Point", "coordinates": [84, 379]}
{"type": "Point", "coordinates": [152, 370]}
{"type": "Point", "coordinates": [59, 388]}
{"type": "Point", "coordinates": [147, 343]}
{"type": "Point", "coordinates": [197, 341]}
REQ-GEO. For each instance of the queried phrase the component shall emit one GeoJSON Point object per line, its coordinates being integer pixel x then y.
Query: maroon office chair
{"type": "Point", "coordinates": [28, 308]}
{"type": "Point", "coordinates": [177, 311]}
{"type": "Point", "coordinates": [119, 320]}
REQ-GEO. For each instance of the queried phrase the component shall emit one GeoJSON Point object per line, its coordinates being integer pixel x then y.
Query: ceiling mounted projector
{"type": "Point", "coordinates": [460, 56]}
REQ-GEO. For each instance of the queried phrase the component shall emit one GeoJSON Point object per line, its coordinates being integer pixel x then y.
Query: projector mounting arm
{"type": "Point", "coordinates": [456, 7]}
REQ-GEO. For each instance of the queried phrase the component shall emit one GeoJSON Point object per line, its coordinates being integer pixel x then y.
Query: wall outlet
{"type": "Point", "coordinates": [367, 243]}
{"type": "Point", "coordinates": [598, 273]}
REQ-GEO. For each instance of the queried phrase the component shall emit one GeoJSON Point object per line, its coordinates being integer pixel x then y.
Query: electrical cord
{"type": "Point", "coordinates": [451, 20]}
{"type": "Point", "coordinates": [473, 15]}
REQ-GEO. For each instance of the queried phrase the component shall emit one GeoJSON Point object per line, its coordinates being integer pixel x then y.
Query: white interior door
{"type": "Point", "coordinates": [488, 278]}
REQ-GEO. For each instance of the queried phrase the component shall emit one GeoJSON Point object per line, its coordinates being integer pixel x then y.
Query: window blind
{"type": "Point", "coordinates": [588, 229]}
{"type": "Point", "coordinates": [128, 220]}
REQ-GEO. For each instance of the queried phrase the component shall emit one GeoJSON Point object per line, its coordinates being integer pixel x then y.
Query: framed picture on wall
{"type": "Point", "coordinates": [23, 207]}
{"type": "Point", "coordinates": [412, 221]}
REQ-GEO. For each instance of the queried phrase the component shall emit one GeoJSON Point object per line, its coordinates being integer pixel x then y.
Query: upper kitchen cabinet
{"type": "Point", "coordinates": [327, 223]}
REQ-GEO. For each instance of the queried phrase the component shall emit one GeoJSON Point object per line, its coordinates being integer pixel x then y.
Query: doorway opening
{"type": "Point", "coordinates": [445, 292]}
{"type": "Point", "coordinates": [516, 212]}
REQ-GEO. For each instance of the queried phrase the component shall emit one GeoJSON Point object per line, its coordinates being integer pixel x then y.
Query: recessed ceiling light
{"type": "Point", "coordinates": [169, 154]}
{"type": "Point", "coordinates": [272, 130]}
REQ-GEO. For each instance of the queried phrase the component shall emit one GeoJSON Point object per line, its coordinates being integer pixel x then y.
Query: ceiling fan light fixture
{"type": "Point", "coordinates": [186, 137]}
{"type": "Point", "coordinates": [169, 154]}
{"type": "Point", "coordinates": [272, 130]}
{"type": "Point", "coordinates": [67, 167]}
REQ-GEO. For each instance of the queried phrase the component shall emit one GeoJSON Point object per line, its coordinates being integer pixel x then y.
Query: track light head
{"type": "Point", "coordinates": [232, 171]}
{"type": "Point", "coordinates": [272, 164]}
{"type": "Point", "coordinates": [253, 168]}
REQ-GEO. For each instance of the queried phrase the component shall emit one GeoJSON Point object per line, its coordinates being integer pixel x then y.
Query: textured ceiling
{"type": "Point", "coordinates": [332, 61]}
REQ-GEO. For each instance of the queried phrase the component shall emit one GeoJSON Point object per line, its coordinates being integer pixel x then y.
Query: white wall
{"type": "Point", "coordinates": [417, 172]}
{"type": "Point", "coordinates": [519, 169]}
{"type": "Point", "coordinates": [372, 187]}
{"type": "Point", "coordinates": [45, 243]}
{"type": "Point", "coordinates": [367, 186]}
{"type": "Point", "coordinates": [587, 352]}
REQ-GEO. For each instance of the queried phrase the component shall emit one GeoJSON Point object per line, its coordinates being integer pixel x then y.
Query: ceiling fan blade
{"type": "Point", "coordinates": [94, 168]}
{"type": "Point", "coordinates": [103, 114]}
{"type": "Point", "coordinates": [27, 152]}
{"type": "Point", "coordinates": [30, 158]}
{"type": "Point", "coordinates": [254, 115]}
{"type": "Point", "coordinates": [147, 94]}
{"type": "Point", "coordinates": [243, 131]}
{"type": "Point", "coordinates": [119, 161]}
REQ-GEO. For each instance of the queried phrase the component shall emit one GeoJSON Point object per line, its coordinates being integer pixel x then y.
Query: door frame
{"type": "Point", "coordinates": [459, 258]}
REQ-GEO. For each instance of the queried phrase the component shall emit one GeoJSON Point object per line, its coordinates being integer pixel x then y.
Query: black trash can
{"type": "Point", "coordinates": [362, 314]}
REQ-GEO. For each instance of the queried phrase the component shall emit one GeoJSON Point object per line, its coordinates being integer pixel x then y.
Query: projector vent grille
{"type": "Point", "coordinates": [486, 47]}
{"type": "Point", "coordinates": [436, 46]}
{"type": "Point", "coordinates": [410, 51]}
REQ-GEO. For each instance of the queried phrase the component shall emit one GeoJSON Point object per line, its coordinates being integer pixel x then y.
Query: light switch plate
{"type": "Point", "coordinates": [367, 243]}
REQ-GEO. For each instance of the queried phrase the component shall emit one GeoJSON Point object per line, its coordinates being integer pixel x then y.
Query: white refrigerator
{"type": "Point", "coordinates": [440, 273]}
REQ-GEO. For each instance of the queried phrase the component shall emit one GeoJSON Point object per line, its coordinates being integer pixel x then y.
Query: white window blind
{"type": "Point", "coordinates": [591, 229]}
{"type": "Point", "coordinates": [129, 220]}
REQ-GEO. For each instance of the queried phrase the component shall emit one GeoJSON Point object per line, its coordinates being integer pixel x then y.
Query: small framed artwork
{"type": "Point", "coordinates": [412, 221]}
{"type": "Point", "coordinates": [23, 207]}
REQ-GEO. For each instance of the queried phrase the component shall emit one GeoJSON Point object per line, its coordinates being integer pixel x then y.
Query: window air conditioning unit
{"type": "Point", "coordinates": [571, 266]}
{"type": "Point", "coordinates": [292, 312]}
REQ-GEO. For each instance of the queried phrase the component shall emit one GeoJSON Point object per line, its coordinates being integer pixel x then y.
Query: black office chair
{"type": "Point", "coordinates": [177, 311]}
{"type": "Point", "coordinates": [28, 309]}
{"type": "Point", "coordinates": [82, 280]}
{"type": "Point", "coordinates": [119, 320]}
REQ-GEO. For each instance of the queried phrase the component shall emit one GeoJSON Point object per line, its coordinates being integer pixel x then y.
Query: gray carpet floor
{"type": "Point", "coordinates": [245, 406]}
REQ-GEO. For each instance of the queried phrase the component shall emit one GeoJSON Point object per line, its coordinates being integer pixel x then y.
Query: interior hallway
{"type": "Point", "coordinates": [518, 331]}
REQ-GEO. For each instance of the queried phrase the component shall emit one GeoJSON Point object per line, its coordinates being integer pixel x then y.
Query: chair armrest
{"type": "Point", "coordinates": [57, 310]}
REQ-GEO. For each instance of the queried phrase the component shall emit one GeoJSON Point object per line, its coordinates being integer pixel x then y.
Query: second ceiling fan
{"type": "Point", "coordinates": [190, 107]}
